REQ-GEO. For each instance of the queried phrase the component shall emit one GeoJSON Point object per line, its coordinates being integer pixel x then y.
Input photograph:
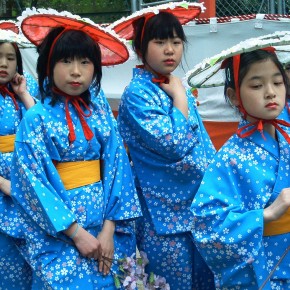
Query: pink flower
{"type": "Point", "coordinates": [134, 276]}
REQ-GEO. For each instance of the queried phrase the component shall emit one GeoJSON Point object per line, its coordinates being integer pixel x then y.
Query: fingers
{"type": "Point", "coordinates": [17, 78]}
{"type": "Point", "coordinates": [105, 264]}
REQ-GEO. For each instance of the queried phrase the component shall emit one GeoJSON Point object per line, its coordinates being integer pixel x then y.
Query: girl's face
{"type": "Point", "coordinates": [8, 62]}
{"type": "Point", "coordinates": [164, 55]}
{"type": "Point", "coordinates": [263, 91]}
{"type": "Point", "coordinates": [73, 76]}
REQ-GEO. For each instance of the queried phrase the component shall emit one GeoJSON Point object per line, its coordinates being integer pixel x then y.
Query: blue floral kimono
{"type": "Point", "coordinates": [15, 273]}
{"type": "Point", "coordinates": [246, 176]}
{"type": "Point", "coordinates": [170, 155]}
{"type": "Point", "coordinates": [48, 208]}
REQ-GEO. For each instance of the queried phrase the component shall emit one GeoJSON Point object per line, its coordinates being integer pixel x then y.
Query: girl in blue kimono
{"type": "Point", "coordinates": [71, 176]}
{"type": "Point", "coordinates": [170, 151]}
{"type": "Point", "coordinates": [16, 95]}
{"type": "Point", "coordinates": [241, 209]}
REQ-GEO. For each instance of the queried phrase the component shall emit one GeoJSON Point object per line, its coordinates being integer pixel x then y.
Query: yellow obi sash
{"type": "Point", "coordinates": [7, 143]}
{"type": "Point", "coordinates": [79, 173]}
{"type": "Point", "coordinates": [278, 227]}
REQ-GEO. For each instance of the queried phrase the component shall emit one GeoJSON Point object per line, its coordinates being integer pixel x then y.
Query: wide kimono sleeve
{"type": "Point", "coordinates": [9, 122]}
{"type": "Point", "coordinates": [161, 127]}
{"type": "Point", "coordinates": [228, 214]}
{"type": "Point", "coordinates": [32, 85]}
{"type": "Point", "coordinates": [36, 186]}
{"type": "Point", "coordinates": [119, 190]}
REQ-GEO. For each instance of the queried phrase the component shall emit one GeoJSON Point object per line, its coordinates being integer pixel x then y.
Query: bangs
{"type": "Point", "coordinates": [166, 31]}
{"type": "Point", "coordinates": [80, 46]}
{"type": "Point", "coordinates": [164, 26]}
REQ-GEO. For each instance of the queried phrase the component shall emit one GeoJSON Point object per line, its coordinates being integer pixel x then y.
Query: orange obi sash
{"type": "Point", "coordinates": [7, 143]}
{"type": "Point", "coordinates": [79, 173]}
{"type": "Point", "coordinates": [278, 227]}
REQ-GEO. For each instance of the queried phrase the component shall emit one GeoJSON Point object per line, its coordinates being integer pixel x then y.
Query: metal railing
{"type": "Point", "coordinates": [244, 7]}
{"type": "Point", "coordinates": [231, 7]}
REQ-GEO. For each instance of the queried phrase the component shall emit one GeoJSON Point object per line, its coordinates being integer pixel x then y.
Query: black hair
{"type": "Point", "coordinates": [160, 26]}
{"type": "Point", "coordinates": [71, 44]}
{"type": "Point", "coordinates": [247, 59]}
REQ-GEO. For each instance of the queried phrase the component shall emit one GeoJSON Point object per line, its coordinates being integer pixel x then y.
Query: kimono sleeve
{"type": "Point", "coordinates": [161, 127]}
{"type": "Point", "coordinates": [227, 234]}
{"type": "Point", "coordinates": [32, 86]}
{"type": "Point", "coordinates": [119, 190]}
{"type": "Point", "coordinates": [36, 185]}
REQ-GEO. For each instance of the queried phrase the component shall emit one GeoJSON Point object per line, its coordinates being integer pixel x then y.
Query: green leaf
{"type": "Point", "coordinates": [151, 278]}
{"type": "Point", "coordinates": [117, 282]}
{"type": "Point", "coordinates": [184, 5]}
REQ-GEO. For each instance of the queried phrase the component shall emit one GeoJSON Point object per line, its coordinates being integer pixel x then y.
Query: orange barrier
{"type": "Point", "coordinates": [220, 132]}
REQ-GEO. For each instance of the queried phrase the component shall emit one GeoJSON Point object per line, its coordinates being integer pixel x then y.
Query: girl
{"type": "Point", "coordinates": [170, 150]}
{"type": "Point", "coordinates": [241, 209]}
{"type": "Point", "coordinates": [16, 91]}
{"type": "Point", "coordinates": [72, 178]}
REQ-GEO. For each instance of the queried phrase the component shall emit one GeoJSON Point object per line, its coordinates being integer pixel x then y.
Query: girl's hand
{"type": "Point", "coordinates": [87, 244]}
{"type": "Point", "coordinates": [278, 207]}
{"type": "Point", "coordinates": [18, 84]}
{"type": "Point", "coordinates": [106, 238]}
{"type": "Point", "coordinates": [176, 91]}
{"type": "Point", "coordinates": [174, 88]}
{"type": "Point", "coordinates": [5, 185]}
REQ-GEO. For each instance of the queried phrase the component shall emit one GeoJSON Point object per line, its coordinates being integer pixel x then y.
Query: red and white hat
{"type": "Point", "coordinates": [184, 11]}
{"type": "Point", "coordinates": [9, 32]}
{"type": "Point", "coordinates": [208, 72]}
{"type": "Point", "coordinates": [37, 23]}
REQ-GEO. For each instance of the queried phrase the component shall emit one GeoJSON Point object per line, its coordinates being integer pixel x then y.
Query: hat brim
{"type": "Point", "coordinates": [36, 27]}
{"type": "Point", "coordinates": [283, 53]}
{"type": "Point", "coordinates": [12, 37]}
{"type": "Point", "coordinates": [9, 25]}
{"type": "Point", "coordinates": [208, 73]}
{"type": "Point", "coordinates": [185, 12]}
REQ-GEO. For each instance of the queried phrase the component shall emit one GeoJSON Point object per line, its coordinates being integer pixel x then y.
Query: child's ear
{"type": "Point", "coordinates": [231, 93]}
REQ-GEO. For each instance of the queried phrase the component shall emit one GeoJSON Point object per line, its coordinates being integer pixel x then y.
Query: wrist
{"type": "Point", "coordinates": [268, 215]}
{"type": "Point", "coordinates": [109, 227]}
{"type": "Point", "coordinates": [2, 180]}
{"type": "Point", "coordinates": [5, 185]}
{"type": "Point", "coordinates": [73, 230]}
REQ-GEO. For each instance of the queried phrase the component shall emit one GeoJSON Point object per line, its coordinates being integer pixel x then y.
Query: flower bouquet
{"type": "Point", "coordinates": [134, 277]}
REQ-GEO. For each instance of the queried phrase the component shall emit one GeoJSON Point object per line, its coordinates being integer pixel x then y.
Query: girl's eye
{"type": "Point", "coordinates": [256, 86]}
{"type": "Point", "coordinates": [65, 60]}
{"type": "Point", "coordinates": [279, 83]}
{"type": "Point", "coordinates": [86, 61]}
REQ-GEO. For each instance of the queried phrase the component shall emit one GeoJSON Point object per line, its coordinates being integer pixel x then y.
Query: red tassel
{"type": "Point", "coordinates": [75, 101]}
{"type": "Point", "coordinates": [4, 92]}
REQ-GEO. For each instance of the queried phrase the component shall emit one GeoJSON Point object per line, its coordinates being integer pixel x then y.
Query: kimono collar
{"type": "Point", "coordinates": [75, 101]}
{"type": "Point", "coordinates": [159, 79]}
{"type": "Point", "coordinates": [4, 91]}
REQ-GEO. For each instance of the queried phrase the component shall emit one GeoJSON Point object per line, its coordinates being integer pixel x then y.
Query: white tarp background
{"type": "Point", "coordinates": [202, 43]}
